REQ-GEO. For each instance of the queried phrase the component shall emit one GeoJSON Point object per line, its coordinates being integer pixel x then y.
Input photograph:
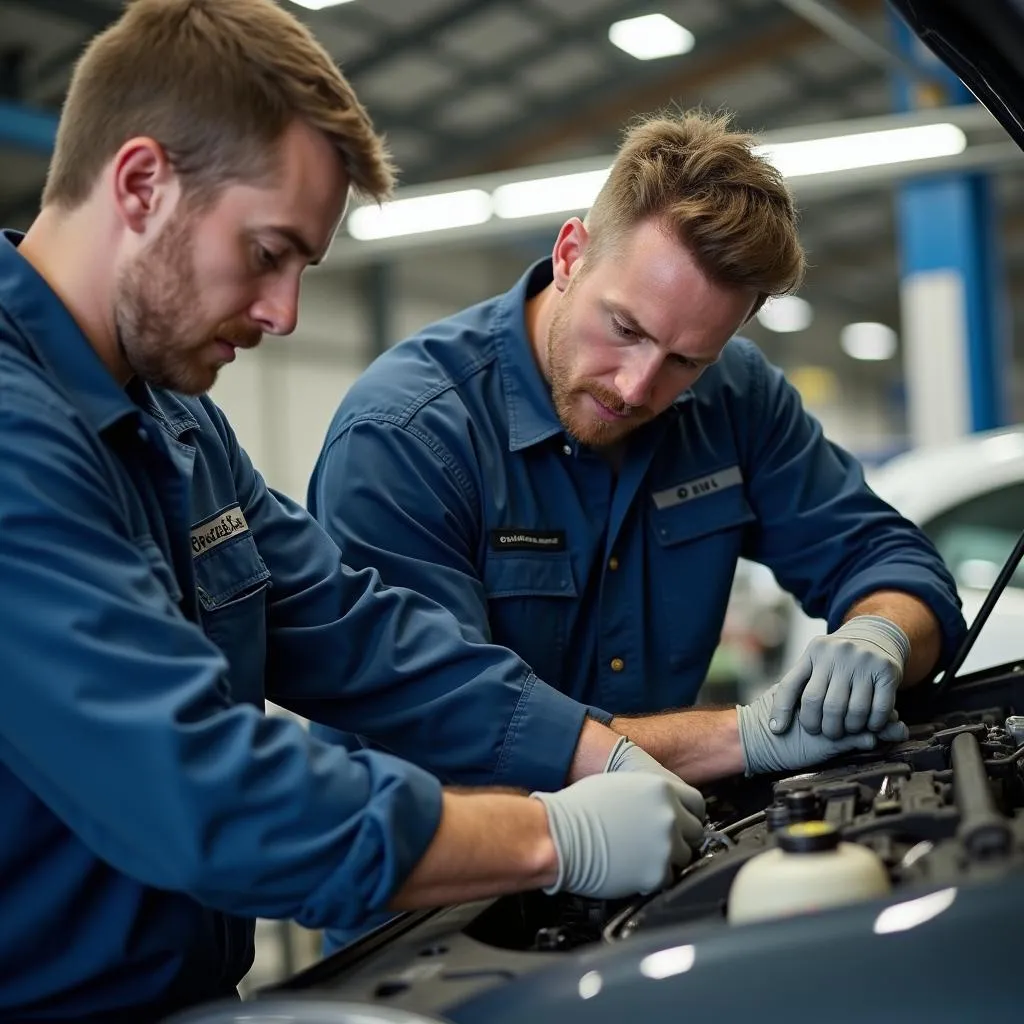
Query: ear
{"type": "Point", "coordinates": [568, 251]}
{"type": "Point", "coordinates": [144, 183]}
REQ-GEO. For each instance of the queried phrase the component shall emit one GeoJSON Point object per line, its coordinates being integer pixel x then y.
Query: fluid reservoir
{"type": "Point", "coordinates": [810, 869]}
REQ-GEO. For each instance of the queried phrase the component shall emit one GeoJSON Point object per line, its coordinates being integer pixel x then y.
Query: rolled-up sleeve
{"type": "Point", "coordinates": [118, 717]}
{"type": "Point", "coordinates": [828, 538]}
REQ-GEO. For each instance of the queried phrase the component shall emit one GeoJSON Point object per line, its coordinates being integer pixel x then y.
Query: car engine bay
{"type": "Point", "coordinates": [938, 812]}
{"type": "Point", "coordinates": [942, 806]}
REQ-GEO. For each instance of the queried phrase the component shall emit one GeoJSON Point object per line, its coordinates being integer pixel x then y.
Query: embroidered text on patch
{"type": "Point", "coordinates": [700, 488]}
{"type": "Point", "coordinates": [220, 528]}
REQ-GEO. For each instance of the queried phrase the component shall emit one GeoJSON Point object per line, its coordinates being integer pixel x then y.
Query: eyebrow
{"type": "Point", "coordinates": [630, 321]}
{"type": "Point", "coordinates": [298, 243]}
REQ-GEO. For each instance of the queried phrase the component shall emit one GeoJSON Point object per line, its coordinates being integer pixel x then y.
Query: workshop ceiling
{"type": "Point", "coordinates": [467, 86]}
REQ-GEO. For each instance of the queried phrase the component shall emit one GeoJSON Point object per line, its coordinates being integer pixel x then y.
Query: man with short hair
{"type": "Point", "coordinates": [155, 591]}
{"type": "Point", "coordinates": [575, 467]}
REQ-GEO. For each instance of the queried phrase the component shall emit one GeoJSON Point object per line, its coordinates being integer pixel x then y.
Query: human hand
{"type": "Point", "coordinates": [619, 833]}
{"type": "Point", "coordinates": [626, 756]}
{"type": "Point", "coordinates": [767, 751]}
{"type": "Point", "coordinates": [845, 682]}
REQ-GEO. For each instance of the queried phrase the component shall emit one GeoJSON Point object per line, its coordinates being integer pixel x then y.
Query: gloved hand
{"type": "Point", "coordinates": [847, 681]}
{"type": "Point", "coordinates": [618, 834]}
{"type": "Point", "coordinates": [764, 751]}
{"type": "Point", "coordinates": [626, 756]}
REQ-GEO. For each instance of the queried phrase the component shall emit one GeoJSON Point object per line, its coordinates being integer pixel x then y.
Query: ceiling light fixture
{"type": "Point", "coordinates": [548, 195]}
{"type": "Point", "coordinates": [422, 213]}
{"type": "Point", "coordinates": [318, 5]}
{"type": "Point", "coordinates": [870, 341]}
{"type": "Point", "coordinates": [865, 149]}
{"type": "Point", "coordinates": [651, 36]}
{"type": "Point", "coordinates": [786, 314]}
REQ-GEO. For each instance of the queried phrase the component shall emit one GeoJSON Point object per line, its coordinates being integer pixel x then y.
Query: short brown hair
{"type": "Point", "coordinates": [730, 207]}
{"type": "Point", "coordinates": [216, 83]}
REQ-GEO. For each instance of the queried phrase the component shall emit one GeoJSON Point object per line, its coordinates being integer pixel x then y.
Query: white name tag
{"type": "Point", "coordinates": [223, 526]}
{"type": "Point", "coordinates": [699, 488]}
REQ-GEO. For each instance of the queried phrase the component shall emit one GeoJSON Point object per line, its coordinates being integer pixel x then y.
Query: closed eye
{"type": "Point", "coordinates": [623, 330]}
{"type": "Point", "coordinates": [266, 259]}
{"type": "Point", "coordinates": [684, 362]}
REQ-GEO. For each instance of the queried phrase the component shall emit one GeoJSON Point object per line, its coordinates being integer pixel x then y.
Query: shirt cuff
{"type": "Point", "coordinates": [916, 581]}
{"type": "Point", "coordinates": [541, 739]}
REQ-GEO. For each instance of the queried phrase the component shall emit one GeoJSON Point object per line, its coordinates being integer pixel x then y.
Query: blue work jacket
{"type": "Point", "coordinates": [447, 469]}
{"type": "Point", "coordinates": [154, 592]}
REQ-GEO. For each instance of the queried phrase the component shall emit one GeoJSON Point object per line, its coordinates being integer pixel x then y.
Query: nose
{"type": "Point", "coordinates": [277, 309]}
{"type": "Point", "coordinates": [637, 375]}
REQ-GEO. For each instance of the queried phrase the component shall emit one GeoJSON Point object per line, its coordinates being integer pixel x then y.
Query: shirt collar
{"type": "Point", "coordinates": [531, 414]}
{"type": "Point", "coordinates": [49, 333]}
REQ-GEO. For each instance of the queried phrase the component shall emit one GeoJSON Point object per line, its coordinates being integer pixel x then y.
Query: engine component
{"type": "Point", "coordinates": [809, 869]}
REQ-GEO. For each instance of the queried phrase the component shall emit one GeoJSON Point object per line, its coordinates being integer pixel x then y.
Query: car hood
{"type": "Point", "coordinates": [983, 42]}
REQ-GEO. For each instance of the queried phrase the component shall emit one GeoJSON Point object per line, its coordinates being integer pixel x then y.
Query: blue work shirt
{"type": "Point", "coordinates": [446, 468]}
{"type": "Point", "coordinates": [155, 591]}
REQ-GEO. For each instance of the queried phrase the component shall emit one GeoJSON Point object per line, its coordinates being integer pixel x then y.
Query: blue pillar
{"type": "Point", "coordinates": [952, 291]}
{"type": "Point", "coordinates": [23, 127]}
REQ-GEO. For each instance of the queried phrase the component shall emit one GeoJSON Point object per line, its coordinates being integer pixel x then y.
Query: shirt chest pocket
{"type": "Point", "coordinates": [697, 544]}
{"type": "Point", "coordinates": [231, 583]}
{"type": "Point", "coordinates": [530, 599]}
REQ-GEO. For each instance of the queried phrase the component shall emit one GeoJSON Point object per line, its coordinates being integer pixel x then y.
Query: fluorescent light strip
{"type": "Point", "coordinates": [423, 213]}
{"type": "Point", "coordinates": [566, 193]}
{"type": "Point", "coordinates": [548, 195]}
{"type": "Point", "coordinates": [318, 5]}
{"type": "Point", "coordinates": [865, 149]}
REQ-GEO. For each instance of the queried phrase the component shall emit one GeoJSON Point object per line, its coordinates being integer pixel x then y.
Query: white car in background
{"type": "Point", "coordinates": [968, 497]}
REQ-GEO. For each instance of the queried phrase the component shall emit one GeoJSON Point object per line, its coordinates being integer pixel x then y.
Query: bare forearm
{"type": "Point", "coordinates": [916, 619]}
{"type": "Point", "coordinates": [698, 744]}
{"type": "Point", "coordinates": [486, 844]}
{"type": "Point", "coordinates": [592, 750]}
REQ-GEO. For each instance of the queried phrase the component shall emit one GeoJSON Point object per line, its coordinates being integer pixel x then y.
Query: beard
{"type": "Point", "coordinates": [156, 315]}
{"type": "Point", "coordinates": [568, 393]}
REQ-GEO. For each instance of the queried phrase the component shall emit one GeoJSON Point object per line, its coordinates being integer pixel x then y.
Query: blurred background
{"type": "Point", "coordinates": [502, 115]}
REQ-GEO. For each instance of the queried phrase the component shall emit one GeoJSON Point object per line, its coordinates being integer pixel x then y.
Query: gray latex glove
{"type": "Point", "coordinates": [626, 756]}
{"type": "Point", "coordinates": [845, 682]}
{"type": "Point", "coordinates": [764, 751]}
{"type": "Point", "coordinates": [618, 834]}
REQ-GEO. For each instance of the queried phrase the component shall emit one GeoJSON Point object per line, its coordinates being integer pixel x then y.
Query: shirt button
{"type": "Point", "coordinates": [566, 449]}
{"type": "Point", "coordinates": [617, 664]}
{"type": "Point", "coordinates": [143, 434]}
{"type": "Point", "coordinates": [613, 563]}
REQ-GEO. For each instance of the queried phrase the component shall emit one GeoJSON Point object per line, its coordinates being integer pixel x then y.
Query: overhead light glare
{"type": "Point", "coordinates": [318, 5]}
{"type": "Point", "coordinates": [869, 341]}
{"type": "Point", "coordinates": [651, 36]}
{"type": "Point", "coordinates": [548, 195]}
{"type": "Point", "coordinates": [422, 213]}
{"type": "Point", "coordinates": [786, 314]}
{"type": "Point", "coordinates": [667, 962]}
{"type": "Point", "coordinates": [865, 149]}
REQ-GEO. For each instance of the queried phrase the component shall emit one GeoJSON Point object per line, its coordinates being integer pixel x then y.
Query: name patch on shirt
{"type": "Point", "coordinates": [515, 538]}
{"type": "Point", "coordinates": [219, 528]}
{"type": "Point", "coordinates": [699, 488]}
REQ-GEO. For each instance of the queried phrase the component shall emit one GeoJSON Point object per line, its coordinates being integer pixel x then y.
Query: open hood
{"type": "Point", "coordinates": [982, 41]}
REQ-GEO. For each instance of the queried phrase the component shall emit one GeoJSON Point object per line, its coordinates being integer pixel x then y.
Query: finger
{"type": "Point", "coordinates": [812, 700]}
{"type": "Point", "coordinates": [692, 799]}
{"type": "Point", "coordinates": [690, 828]}
{"type": "Point", "coordinates": [894, 732]}
{"type": "Point", "coordinates": [862, 695]}
{"type": "Point", "coordinates": [684, 843]}
{"type": "Point", "coordinates": [786, 694]}
{"type": "Point", "coordinates": [860, 741]}
{"type": "Point", "coordinates": [884, 700]}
